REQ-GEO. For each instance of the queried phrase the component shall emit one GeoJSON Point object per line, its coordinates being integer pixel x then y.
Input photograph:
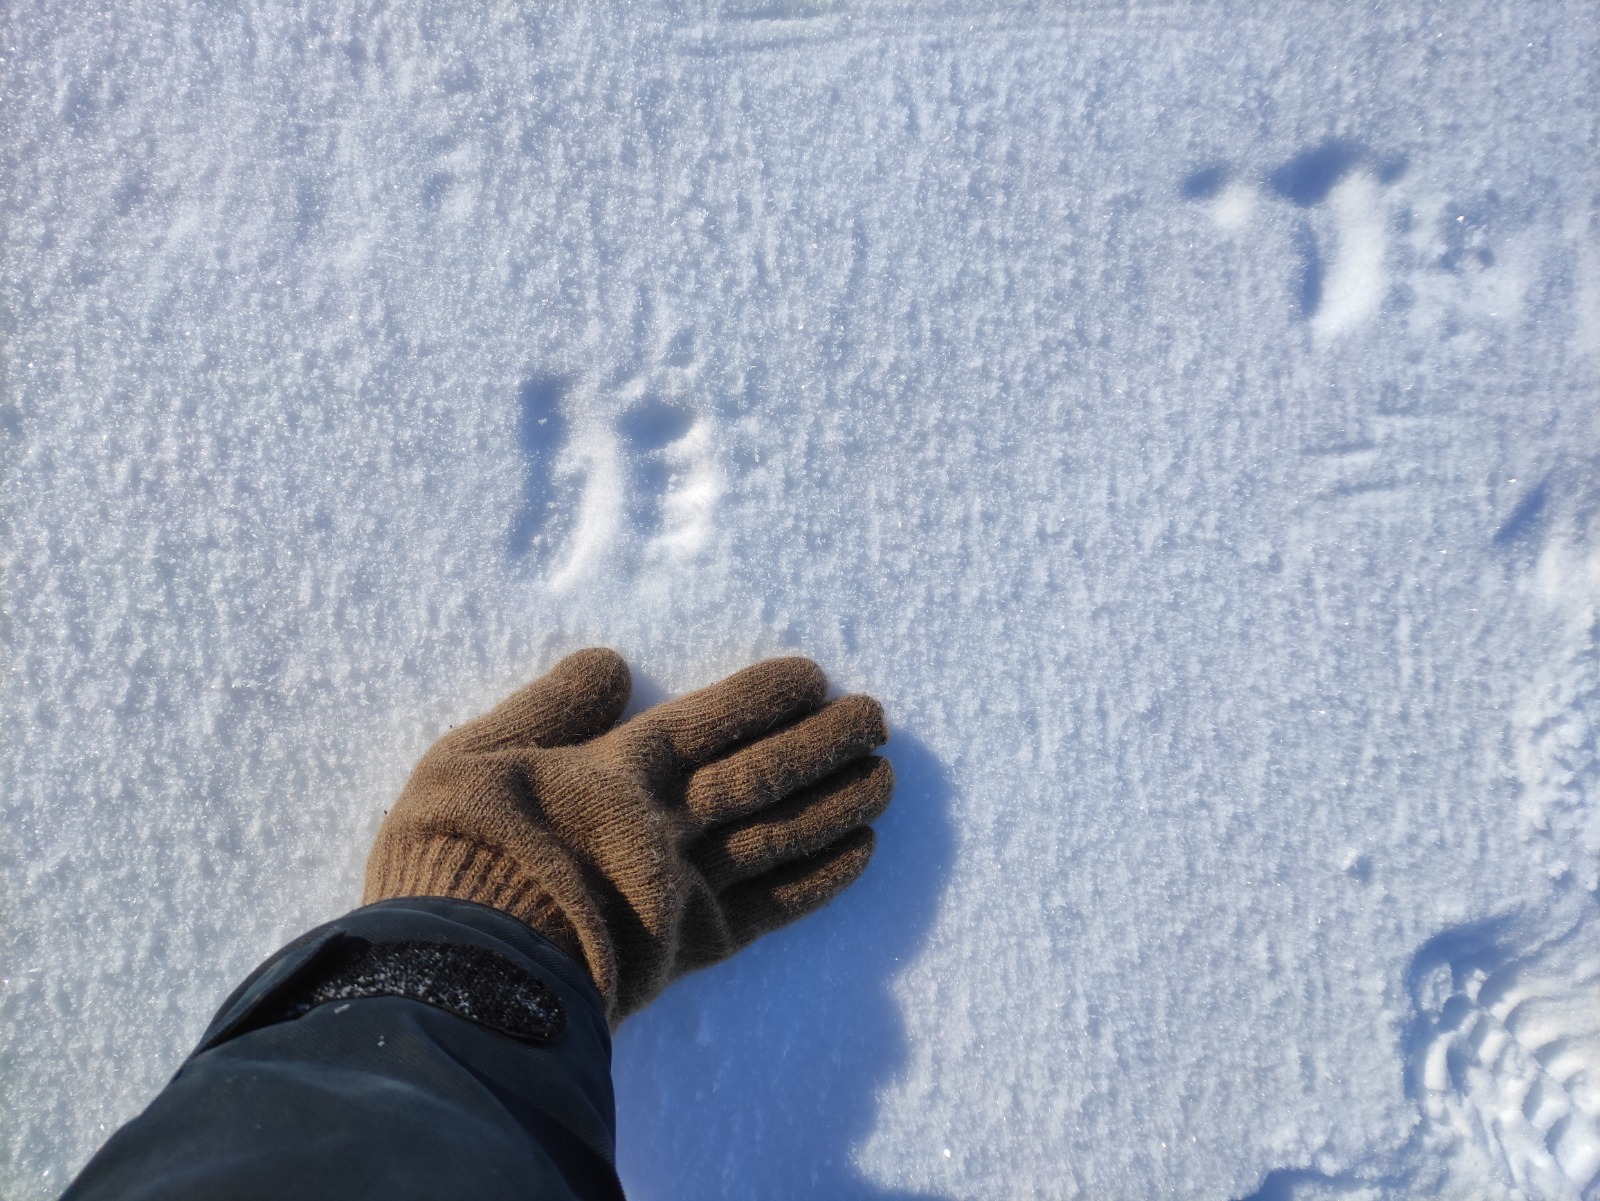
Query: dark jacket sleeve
{"type": "Point", "coordinates": [423, 1047]}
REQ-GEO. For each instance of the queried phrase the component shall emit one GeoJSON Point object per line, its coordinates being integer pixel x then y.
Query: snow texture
{"type": "Point", "coordinates": [1183, 416]}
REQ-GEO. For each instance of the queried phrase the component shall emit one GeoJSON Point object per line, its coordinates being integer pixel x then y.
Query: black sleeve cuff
{"type": "Point", "coordinates": [417, 1047]}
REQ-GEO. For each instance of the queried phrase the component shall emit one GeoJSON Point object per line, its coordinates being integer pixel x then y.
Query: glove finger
{"type": "Point", "coordinates": [761, 905]}
{"type": "Point", "coordinates": [580, 697]}
{"type": "Point", "coordinates": [703, 725]}
{"type": "Point", "coordinates": [800, 826]}
{"type": "Point", "coordinates": [771, 768]}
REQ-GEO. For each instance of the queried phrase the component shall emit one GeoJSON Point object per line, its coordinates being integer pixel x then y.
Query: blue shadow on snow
{"type": "Point", "coordinates": [759, 1078]}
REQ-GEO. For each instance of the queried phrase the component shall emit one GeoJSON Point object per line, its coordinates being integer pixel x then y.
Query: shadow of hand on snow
{"type": "Point", "coordinates": [759, 1078]}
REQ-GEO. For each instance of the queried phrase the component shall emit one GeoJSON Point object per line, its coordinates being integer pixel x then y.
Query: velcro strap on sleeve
{"type": "Point", "coordinates": [471, 982]}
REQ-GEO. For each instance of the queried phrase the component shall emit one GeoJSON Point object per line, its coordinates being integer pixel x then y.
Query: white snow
{"type": "Point", "coordinates": [1184, 417]}
{"type": "Point", "coordinates": [1355, 282]}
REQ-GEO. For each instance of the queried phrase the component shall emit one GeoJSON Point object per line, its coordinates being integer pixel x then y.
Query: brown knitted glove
{"type": "Point", "coordinates": [661, 846]}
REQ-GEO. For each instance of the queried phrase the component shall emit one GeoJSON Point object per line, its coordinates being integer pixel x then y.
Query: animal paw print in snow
{"type": "Point", "coordinates": [641, 484]}
{"type": "Point", "coordinates": [1341, 238]}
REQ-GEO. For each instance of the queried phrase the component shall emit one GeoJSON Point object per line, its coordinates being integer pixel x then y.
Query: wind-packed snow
{"type": "Point", "coordinates": [1183, 416]}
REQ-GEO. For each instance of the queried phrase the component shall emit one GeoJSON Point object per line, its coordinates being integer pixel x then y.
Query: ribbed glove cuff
{"type": "Point", "coordinates": [451, 867]}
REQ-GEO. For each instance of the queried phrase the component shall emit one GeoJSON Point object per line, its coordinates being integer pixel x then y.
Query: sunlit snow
{"type": "Point", "coordinates": [1183, 416]}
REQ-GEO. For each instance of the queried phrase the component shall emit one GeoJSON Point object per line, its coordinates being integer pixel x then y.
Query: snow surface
{"type": "Point", "coordinates": [1183, 416]}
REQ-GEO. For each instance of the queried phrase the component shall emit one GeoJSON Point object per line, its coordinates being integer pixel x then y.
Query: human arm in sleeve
{"type": "Point", "coordinates": [545, 873]}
